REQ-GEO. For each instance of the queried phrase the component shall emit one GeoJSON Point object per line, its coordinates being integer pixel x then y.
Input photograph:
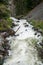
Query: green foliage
{"type": "Point", "coordinates": [34, 41]}
{"type": "Point", "coordinates": [4, 12]}
{"type": "Point", "coordinates": [9, 22]}
{"type": "Point", "coordinates": [5, 24]}
{"type": "Point", "coordinates": [4, 2]}
{"type": "Point", "coordinates": [37, 24]}
{"type": "Point", "coordinates": [23, 6]}
{"type": "Point", "coordinates": [5, 21]}
{"type": "Point", "coordinates": [32, 3]}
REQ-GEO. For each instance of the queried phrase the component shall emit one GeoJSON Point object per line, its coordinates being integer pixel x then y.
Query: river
{"type": "Point", "coordinates": [22, 46]}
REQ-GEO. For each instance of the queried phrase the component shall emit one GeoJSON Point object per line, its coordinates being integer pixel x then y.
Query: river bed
{"type": "Point", "coordinates": [22, 45]}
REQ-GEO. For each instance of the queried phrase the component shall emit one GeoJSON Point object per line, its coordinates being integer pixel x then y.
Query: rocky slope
{"type": "Point", "coordinates": [36, 13]}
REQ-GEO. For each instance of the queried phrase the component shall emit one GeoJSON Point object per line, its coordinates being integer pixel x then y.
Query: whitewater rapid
{"type": "Point", "coordinates": [23, 50]}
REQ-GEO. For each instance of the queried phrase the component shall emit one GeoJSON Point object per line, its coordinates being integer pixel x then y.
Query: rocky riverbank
{"type": "Point", "coordinates": [19, 28]}
{"type": "Point", "coordinates": [4, 46]}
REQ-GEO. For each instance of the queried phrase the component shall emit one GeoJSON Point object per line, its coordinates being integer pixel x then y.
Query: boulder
{"type": "Point", "coordinates": [1, 59]}
{"type": "Point", "coordinates": [4, 47]}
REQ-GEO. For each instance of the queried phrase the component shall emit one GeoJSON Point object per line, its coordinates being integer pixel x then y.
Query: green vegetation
{"type": "Point", "coordinates": [21, 7]}
{"type": "Point", "coordinates": [37, 24]}
{"type": "Point", "coordinates": [5, 21]}
{"type": "Point", "coordinates": [24, 6]}
{"type": "Point", "coordinates": [4, 12]}
{"type": "Point", "coordinates": [34, 41]}
{"type": "Point", "coordinates": [5, 24]}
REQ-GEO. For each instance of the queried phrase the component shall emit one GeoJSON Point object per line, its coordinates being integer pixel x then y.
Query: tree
{"type": "Point", "coordinates": [5, 22]}
{"type": "Point", "coordinates": [4, 12]}
{"type": "Point", "coordinates": [23, 6]}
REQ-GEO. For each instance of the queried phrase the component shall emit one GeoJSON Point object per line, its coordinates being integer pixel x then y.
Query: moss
{"type": "Point", "coordinates": [9, 22]}
{"type": "Point", "coordinates": [37, 24]}
{"type": "Point", "coordinates": [5, 24]}
{"type": "Point", "coordinates": [34, 41]}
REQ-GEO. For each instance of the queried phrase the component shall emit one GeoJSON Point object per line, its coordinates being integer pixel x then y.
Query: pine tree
{"type": "Point", "coordinates": [5, 21]}
{"type": "Point", "coordinates": [23, 6]}
{"type": "Point", "coordinates": [4, 12]}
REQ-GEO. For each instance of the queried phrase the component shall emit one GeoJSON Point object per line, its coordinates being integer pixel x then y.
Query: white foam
{"type": "Point", "coordinates": [24, 32]}
{"type": "Point", "coordinates": [23, 51]}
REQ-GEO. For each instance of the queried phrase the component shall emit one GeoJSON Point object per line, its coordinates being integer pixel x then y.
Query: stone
{"type": "Point", "coordinates": [35, 33]}
{"type": "Point", "coordinates": [4, 35]}
{"type": "Point", "coordinates": [6, 46]}
{"type": "Point", "coordinates": [41, 44]}
{"type": "Point", "coordinates": [18, 62]}
{"type": "Point", "coordinates": [16, 35]}
{"type": "Point", "coordinates": [1, 59]}
{"type": "Point", "coordinates": [38, 35]}
{"type": "Point", "coordinates": [26, 25]}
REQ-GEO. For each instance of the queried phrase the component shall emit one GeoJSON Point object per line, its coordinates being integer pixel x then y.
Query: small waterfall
{"type": "Point", "coordinates": [23, 50]}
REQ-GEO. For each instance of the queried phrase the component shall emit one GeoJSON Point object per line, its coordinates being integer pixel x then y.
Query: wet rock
{"type": "Point", "coordinates": [41, 44]}
{"type": "Point", "coordinates": [40, 50]}
{"type": "Point", "coordinates": [38, 35]}
{"type": "Point", "coordinates": [18, 21]}
{"type": "Point", "coordinates": [4, 47]}
{"type": "Point", "coordinates": [4, 35]}
{"type": "Point", "coordinates": [18, 62]}
{"type": "Point", "coordinates": [40, 31]}
{"type": "Point", "coordinates": [26, 51]}
{"type": "Point", "coordinates": [4, 51]}
{"type": "Point", "coordinates": [35, 33]}
{"type": "Point", "coordinates": [26, 25]}
{"type": "Point", "coordinates": [14, 25]}
{"type": "Point", "coordinates": [16, 35]}
{"type": "Point", "coordinates": [1, 59]}
{"type": "Point", "coordinates": [35, 29]}
{"type": "Point", "coordinates": [6, 41]}
{"type": "Point", "coordinates": [42, 41]}
{"type": "Point", "coordinates": [11, 32]}
{"type": "Point", "coordinates": [1, 48]}
{"type": "Point", "coordinates": [26, 30]}
{"type": "Point", "coordinates": [1, 31]}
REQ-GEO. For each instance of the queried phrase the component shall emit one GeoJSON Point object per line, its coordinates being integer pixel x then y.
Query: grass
{"type": "Point", "coordinates": [37, 24]}
{"type": "Point", "coordinates": [5, 24]}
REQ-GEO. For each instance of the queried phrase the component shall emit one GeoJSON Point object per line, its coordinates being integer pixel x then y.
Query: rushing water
{"type": "Point", "coordinates": [23, 50]}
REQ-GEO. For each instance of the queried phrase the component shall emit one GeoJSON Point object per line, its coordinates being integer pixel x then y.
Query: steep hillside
{"type": "Point", "coordinates": [36, 13]}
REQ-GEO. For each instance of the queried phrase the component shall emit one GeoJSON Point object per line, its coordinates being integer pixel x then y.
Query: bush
{"type": "Point", "coordinates": [5, 24]}
{"type": "Point", "coordinates": [37, 24]}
